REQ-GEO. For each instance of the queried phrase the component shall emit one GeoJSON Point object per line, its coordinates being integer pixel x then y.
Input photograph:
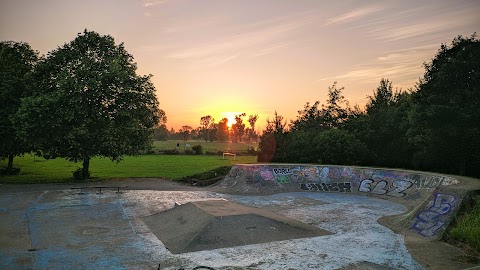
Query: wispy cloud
{"type": "Point", "coordinates": [412, 23]}
{"type": "Point", "coordinates": [151, 3]}
{"type": "Point", "coordinates": [193, 24]}
{"type": "Point", "coordinates": [353, 15]}
{"type": "Point", "coordinates": [254, 40]}
{"type": "Point", "coordinates": [403, 67]}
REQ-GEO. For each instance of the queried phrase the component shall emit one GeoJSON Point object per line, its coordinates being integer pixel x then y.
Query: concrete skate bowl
{"type": "Point", "coordinates": [432, 199]}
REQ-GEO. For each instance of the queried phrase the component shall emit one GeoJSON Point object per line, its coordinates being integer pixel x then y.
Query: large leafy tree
{"type": "Point", "coordinates": [332, 115]}
{"type": "Point", "coordinates": [446, 110]}
{"type": "Point", "coordinates": [384, 126]}
{"type": "Point", "coordinates": [89, 101]}
{"type": "Point", "coordinates": [17, 60]}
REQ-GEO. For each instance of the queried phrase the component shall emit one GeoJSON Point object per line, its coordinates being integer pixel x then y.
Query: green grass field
{"type": "Point", "coordinates": [468, 228]}
{"type": "Point", "coordinates": [207, 146]}
{"type": "Point", "coordinates": [39, 170]}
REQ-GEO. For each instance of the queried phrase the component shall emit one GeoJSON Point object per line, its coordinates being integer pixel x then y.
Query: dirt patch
{"type": "Point", "coordinates": [213, 224]}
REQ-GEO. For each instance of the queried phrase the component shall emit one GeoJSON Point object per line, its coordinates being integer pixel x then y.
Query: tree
{"type": "Point", "coordinates": [382, 97]}
{"type": "Point", "coordinates": [331, 115]}
{"type": "Point", "coordinates": [17, 60]}
{"type": "Point", "coordinates": [88, 102]}
{"type": "Point", "coordinates": [205, 122]}
{"type": "Point", "coordinates": [185, 131]}
{"type": "Point", "coordinates": [212, 131]}
{"type": "Point", "coordinates": [384, 126]}
{"type": "Point", "coordinates": [273, 141]}
{"type": "Point", "coordinates": [334, 113]}
{"type": "Point", "coordinates": [238, 129]}
{"type": "Point", "coordinates": [160, 133]}
{"type": "Point", "coordinates": [252, 119]}
{"type": "Point", "coordinates": [446, 111]}
{"type": "Point", "coordinates": [222, 130]}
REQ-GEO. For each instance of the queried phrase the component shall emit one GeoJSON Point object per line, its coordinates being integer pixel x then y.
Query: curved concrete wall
{"type": "Point", "coordinates": [432, 199]}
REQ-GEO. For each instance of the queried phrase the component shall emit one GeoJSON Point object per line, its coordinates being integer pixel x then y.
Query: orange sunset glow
{"type": "Point", "coordinates": [222, 58]}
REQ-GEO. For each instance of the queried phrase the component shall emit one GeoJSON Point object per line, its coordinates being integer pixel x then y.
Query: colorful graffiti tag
{"type": "Point", "coordinates": [381, 187]}
{"type": "Point", "coordinates": [428, 222]}
{"type": "Point", "coordinates": [333, 187]}
{"type": "Point", "coordinates": [341, 179]}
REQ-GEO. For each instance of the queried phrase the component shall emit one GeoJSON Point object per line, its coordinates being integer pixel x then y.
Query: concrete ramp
{"type": "Point", "coordinates": [432, 199]}
{"type": "Point", "coordinates": [206, 225]}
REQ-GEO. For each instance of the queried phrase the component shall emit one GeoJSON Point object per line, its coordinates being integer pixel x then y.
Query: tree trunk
{"type": "Point", "coordinates": [86, 165]}
{"type": "Point", "coordinates": [10, 164]}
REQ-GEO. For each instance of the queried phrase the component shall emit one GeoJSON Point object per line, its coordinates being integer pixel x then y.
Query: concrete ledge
{"type": "Point", "coordinates": [432, 199]}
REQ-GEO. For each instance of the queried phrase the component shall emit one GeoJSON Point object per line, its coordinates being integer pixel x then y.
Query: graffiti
{"type": "Point", "coordinates": [428, 221]}
{"type": "Point", "coordinates": [282, 179]}
{"type": "Point", "coordinates": [433, 182]}
{"type": "Point", "coordinates": [381, 187]}
{"type": "Point", "coordinates": [282, 171]}
{"type": "Point", "coordinates": [267, 175]}
{"type": "Point", "coordinates": [333, 187]}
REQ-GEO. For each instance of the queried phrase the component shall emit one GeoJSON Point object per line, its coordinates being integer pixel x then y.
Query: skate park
{"type": "Point", "coordinates": [262, 216]}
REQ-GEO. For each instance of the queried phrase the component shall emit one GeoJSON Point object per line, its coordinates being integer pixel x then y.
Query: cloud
{"type": "Point", "coordinates": [152, 3]}
{"type": "Point", "coordinates": [252, 40]}
{"type": "Point", "coordinates": [418, 22]}
{"type": "Point", "coordinates": [402, 66]}
{"type": "Point", "coordinates": [353, 15]}
{"type": "Point", "coordinates": [192, 24]}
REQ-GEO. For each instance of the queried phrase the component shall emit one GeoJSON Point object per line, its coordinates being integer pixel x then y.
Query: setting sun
{"type": "Point", "coordinates": [230, 116]}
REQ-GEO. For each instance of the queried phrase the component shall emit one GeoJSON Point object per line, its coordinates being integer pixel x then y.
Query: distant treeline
{"type": "Point", "coordinates": [435, 126]}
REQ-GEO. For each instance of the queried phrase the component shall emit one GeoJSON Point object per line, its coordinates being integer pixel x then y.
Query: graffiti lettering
{"type": "Point", "coordinates": [381, 187]}
{"type": "Point", "coordinates": [282, 171]}
{"type": "Point", "coordinates": [427, 221]}
{"type": "Point", "coordinates": [333, 187]}
{"type": "Point", "coordinates": [427, 183]}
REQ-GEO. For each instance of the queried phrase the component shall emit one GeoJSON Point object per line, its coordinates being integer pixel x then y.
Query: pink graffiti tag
{"type": "Point", "coordinates": [427, 221]}
{"type": "Point", "coordinates": [267, 175]}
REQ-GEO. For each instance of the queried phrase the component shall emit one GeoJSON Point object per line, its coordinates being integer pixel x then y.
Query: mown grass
{"type": "Point", "coordinates": [467, 229]}
{"type": "Point", "coordinates": [39, 170]}
{"type": "Point", "coordinates": [207, 146]}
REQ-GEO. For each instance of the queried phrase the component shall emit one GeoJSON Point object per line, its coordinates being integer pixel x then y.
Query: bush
{"type": "Point", "coordinates": [79, 174]}
{"type": "Point", "coordinates": [189, 152]}
{"type": "Point", "coordinates": [171, 152]}
{"type": "Point", "coordinates": [251, 151]}
{"type": "Point", "coordinates": [13, 171]}
{"type": "Point", "coordinates": [197, 149]}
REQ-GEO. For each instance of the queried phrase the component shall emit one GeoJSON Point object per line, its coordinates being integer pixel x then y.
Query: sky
{"type": "Point", "coordinates": [225, 57]}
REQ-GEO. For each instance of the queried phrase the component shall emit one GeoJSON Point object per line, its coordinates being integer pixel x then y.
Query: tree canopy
{"type": "Point", "coordinates": [89, 101]}
{"type": "Point", "coordinates": [446, 112]}
{"type": "Point", "coordinates": [433, 127]}
{"type": "Point", "coordinates": [17, 60]}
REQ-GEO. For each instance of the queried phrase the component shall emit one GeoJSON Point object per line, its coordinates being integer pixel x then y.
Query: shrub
{"type": "Point", "coordinates": [189, 152]}
{"type": "Point", "coordinates": [171, 152]}
{"type": "Point", "coordinates": [251, 150]}
{"type": "Point", "coordinates": [13, 171]}
{"type": "Point", "coordinates": [197, 149]}
{"type": "Point", "coordinates": [79, 174]}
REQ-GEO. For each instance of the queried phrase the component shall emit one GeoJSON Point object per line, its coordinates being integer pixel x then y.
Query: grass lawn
{"type": "Point", "coordinates": [468, 228]}
{"type": "Point", "coordinates": [39, 170]}
{"type": "Point", "coordinates": [207, 146]}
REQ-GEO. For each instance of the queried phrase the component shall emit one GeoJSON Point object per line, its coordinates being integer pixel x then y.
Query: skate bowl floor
{"type": "Point", "coordinates": [158, 224]}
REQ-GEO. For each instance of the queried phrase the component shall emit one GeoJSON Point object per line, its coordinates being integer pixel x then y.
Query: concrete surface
{"type": "Point", "coordinates": [65, 230]}
{"type": "Point", "coordinates": [53, 227]}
